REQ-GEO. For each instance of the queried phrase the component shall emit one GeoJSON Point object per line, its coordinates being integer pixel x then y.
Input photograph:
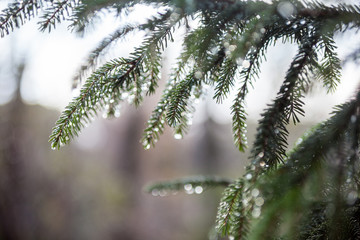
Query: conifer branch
{"type": "Point", "coordinates": [303, 166]}
{"type": "Point", "coordinates": [55, 13]}
{"type": "Point", "coordinates": [271, 138]}
{"type": "Point", "coordinates": [17, 13]}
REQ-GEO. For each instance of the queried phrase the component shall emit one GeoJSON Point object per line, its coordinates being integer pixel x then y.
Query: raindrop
{"type": "Point", "coordinates": [198, 74]}
{"type": "Point", "coordinates": [258, 16]}
{"type": "Point", "coordinates": [302, 21]}
{"type": "Point", "coordinates": [147, 146]}
{"type": "Point", "coordinates": [288, 22]}
{"type": "Point", "coordinates": [105, 115]}
{"type": "Point", "coordinates": [239, 61]}
{"type": "Point", "coordinates": [199, 189]}
{"type": "Point", "coordinates": [162, 193]}
{"type": "Point", "coordinates": [155, 192]}
{"type": "Point", "coordinates": [286, 9]}
{"type": "Point", "coordinates": [353, 118]}
{"type": "Point", "coordinates": [178, 136]}
{"type": "Point", "coordinates": [248, 176]}
{"type": "Point", "coordinates": [246, 64]}
{"type": "Point", "coordinates": [259, 201]}
{"type": "Point", "coordinates": [299, 141]}
{"type": "Point", "coordinates": [117, 113]}
{"type": "Point", "coordinates": [261, 154]}
{"type": "Point", "coordinates": [256, 212]}
{"type": "Point", "coordinates": [188, 187]}
{"type": "Point", "coordinates": [294, 26]}
{"type": "Point", "coordinates": [232, 48]}
{"type": "Point", "coordinates": [351, 197]}
{"type": "Point", "coordinates": [255, 192]}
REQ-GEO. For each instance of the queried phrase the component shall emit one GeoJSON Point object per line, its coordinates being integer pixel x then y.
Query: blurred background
{"type": "Point", "coordinates": [93, 188]}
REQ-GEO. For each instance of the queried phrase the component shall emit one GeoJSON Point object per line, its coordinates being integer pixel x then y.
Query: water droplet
{"type": "Point", "coordinates": [256, 212]}
{"type": "Point", "coordinates": [302, 21]}
{"type": "Point", "coordinates": [294, 26]}
{"type": "Point", "coordinates": [147, 146]}
{"type": "Point", "coordinates": [288, 22]}
{"type": "Point", "coordinates": [351, 197]}
{"type": "Point", "coordinates": [353, 118]}
{"type": "Point", "coordinates": [299, 141]}
{"type": "Point", "coordinates": [155, 192]}
{"type": "Point", "coordinates": [262, 30]}
{"type": "Point", "coordinates": [198, 74]}
{"type": "Point", "coordinates": [258, 16]}
{"type": "Point", "coordinates": [232, 48]}
{"type": "Point", "coordinates": [199, 189]}
{"type": "Point", "coordinates": [124, 95]}
{"type": "Point", "coordinates": [286, 9]}
{"type": "Point", "coordinates": [262, 164]}
{"type": "Point", "coordinates": [239, 61]}
{"type": "Point", "coordinates": [178, 136]}
{"type": "Point", "coordinates": [162, 193]}
{"type": "Point", "coordinates": [255, 192]}
{"type": "Point", "coordinates": [188, 187]}
{"type": "Point", "coordinates": [246, 64]}
{"type": "Point", "coordinates": [261, 154]}
{"type": "Point", "coordinates": [248, 176]}
{"type": "Point", "coordinates": [259, 201]}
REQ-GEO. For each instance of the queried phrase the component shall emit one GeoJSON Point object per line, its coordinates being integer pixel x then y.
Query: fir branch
{"type": "Point", "coordinates": [231, 218]}
{"type": "Point", "coordinates": [271, 138]}
{"type": "Point", "coordinates": [99, 87]}
{"type": "Point", "coordinates": [306, 165]}
{"type": "Point", "coordinates": [329, 70]}
{"type": "Point", "coordinates": [55, 13]}
{"type": "Point", "coordinates": [16, 14]}
{"type": "Point", "coordinates": [93, 57]}
{"type": "Point", "coordinates": [190, 185]}
{"type": "Point", "coordinates": [179, 95]}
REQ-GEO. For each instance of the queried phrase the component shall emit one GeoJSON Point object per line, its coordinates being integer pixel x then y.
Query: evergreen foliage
{"type": "Point", "coordinates": [311, 192]}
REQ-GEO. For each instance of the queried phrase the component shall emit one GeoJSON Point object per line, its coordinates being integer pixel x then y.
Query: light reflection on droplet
{"type": "Point", "coordinates": [246, 64]}
{"type": "Point", "coordinates": [199, 189]}
{"type": "Point", "coordinates": [248, 176]}
{"type": "Point", "coordinates": [256, 212]}
{"type": "Point", "coordinates": [262, 164]}
{"type": "Point", "coordinates": [259, 201]}
{"type": "Point", "coordinates": [155, 192]}
{"type": "Point", "coordinates": [299, 141]}
{"type": "Point", "coordinates": [353, 119]}
{"type": "Point", "coordinates": [286, 9]}
{"type": "Point", "coordinates": [178, 136]}
{"type": "Point", "coordinates": [187, 187]}
{"type": "Point", "coordinates": [255, 192]}
{"type": "Point", "coordinates": [198, 74]}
